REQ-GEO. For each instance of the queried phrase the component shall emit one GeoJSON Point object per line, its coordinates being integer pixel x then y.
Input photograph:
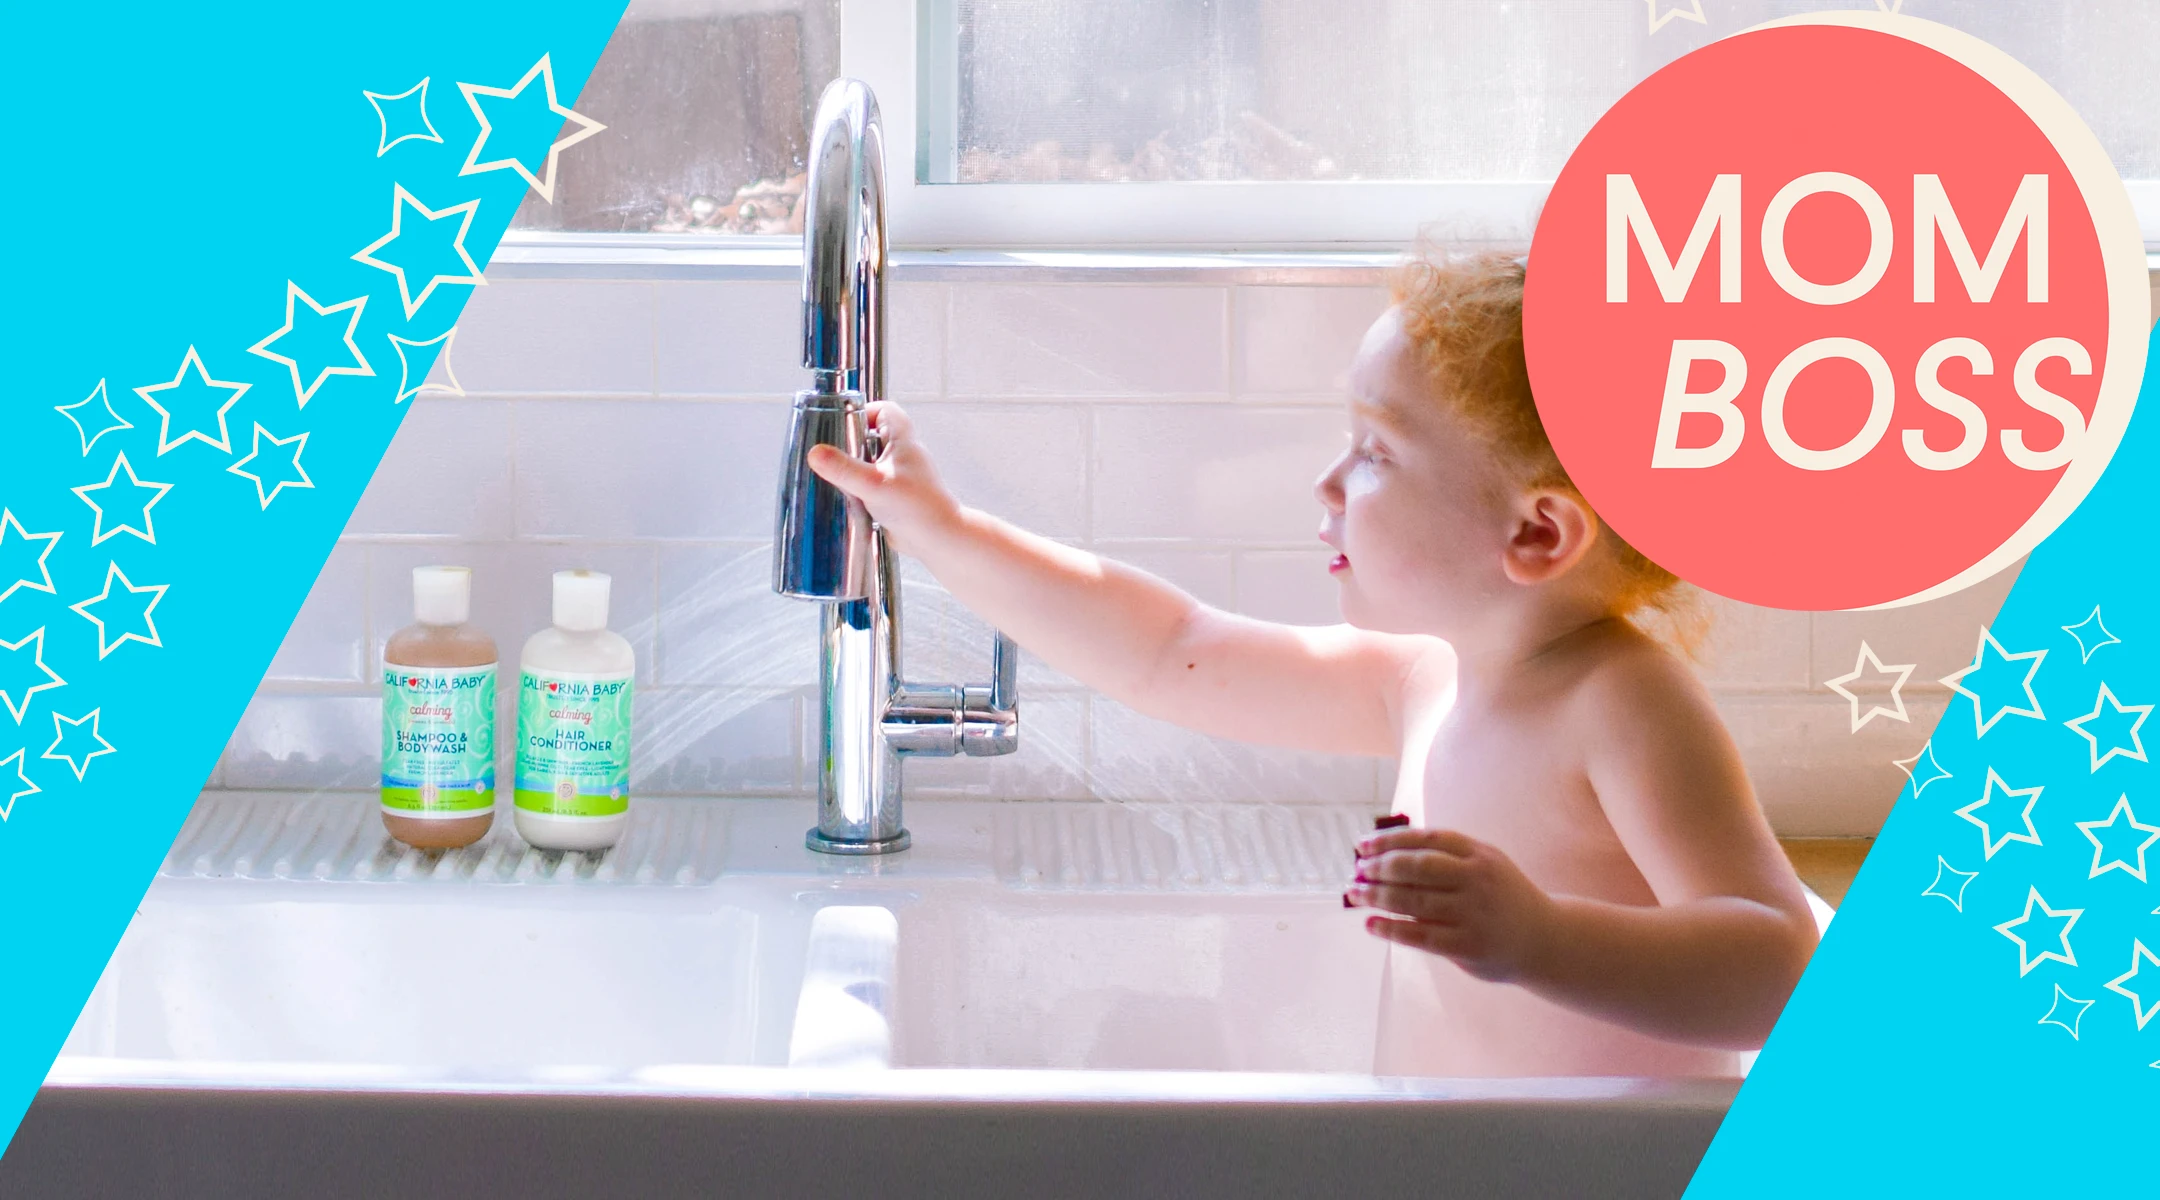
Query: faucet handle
{"type": "Point", "coordinates": [990, 716]}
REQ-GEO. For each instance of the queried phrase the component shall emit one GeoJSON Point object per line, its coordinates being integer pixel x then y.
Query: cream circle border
{"type": "Point", "coordinates": [2122, 255]}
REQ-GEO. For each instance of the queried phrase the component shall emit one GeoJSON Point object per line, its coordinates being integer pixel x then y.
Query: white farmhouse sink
{"type": "Point", "coordinates": [1044, 974]}
{"type": "Point", "coordinates": [287, 930]}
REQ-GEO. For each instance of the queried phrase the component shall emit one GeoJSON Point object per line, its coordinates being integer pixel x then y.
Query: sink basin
{"type": "Point", "coordinates": [288, 930]}
{"type": "Point", "coordinates": [1067, 973]}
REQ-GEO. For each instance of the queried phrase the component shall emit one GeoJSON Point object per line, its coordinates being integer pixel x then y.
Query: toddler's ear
{"type": "Point", "coordinates": [1552, 531]}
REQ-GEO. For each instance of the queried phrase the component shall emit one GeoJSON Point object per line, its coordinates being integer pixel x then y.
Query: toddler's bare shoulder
{"type": "Point", "coordinates": [1636, 683]}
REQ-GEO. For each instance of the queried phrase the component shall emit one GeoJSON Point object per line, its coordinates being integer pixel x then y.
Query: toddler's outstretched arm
{"type": "Point", "coordinates": [1128, 634]}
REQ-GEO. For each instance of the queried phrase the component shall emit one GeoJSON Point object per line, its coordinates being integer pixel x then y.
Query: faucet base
{"type": "Point", "coordinates": [816, 840]}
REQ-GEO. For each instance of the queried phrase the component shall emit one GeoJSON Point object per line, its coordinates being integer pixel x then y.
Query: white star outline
{"type": "Point", "coordinates": [2026, 962]}
{"type": "Point", "coordinates": [90, 718]}
{"type": "Point", "coordinates": [2106, 638]}
{"type": "Point", "coordinates": [399, 200]}
{"type": "Point", "coordinates": [306, 392]}
{"type": "Point", "coordinates": [2139, 956]}
{"type": "Point", "coordinates": [2122, 809]}
{"type": "Point", "coordinates": [256, 448]}
{"type": "Point", "coordinates": [90, 439]}
{"type": "Point", "coordinates": [447, 340]}
{"type": "Point", "coordinates": [1911, 767]}
{"type": "Point", "coordinates": [1955, 682]}
{"type": "Point", "coordinates": [18, 708]}
{"type": "Point", "coordinates": [2072, 1024]}
{"type": "Point", "coordinates": [1658, 21]}
{"type": "Point", "coordinates": [8, 520]}
{"type": "Point", "coordinates": [81, 608]}
{"type": "Point", "coordinates": [98, 532]}
{"type": "Point", "coordinates": [1964, 878]}
{"type": "Point", "coordinates": [1861, 667]}
{"type": "Point", "coordinates": [223, 442]}
{"type": "Point", "coordinates": [22, 776]}
{"type": "Point", "coordinates": [586, 128]}
{"type": "Point", "coordinates": [1988, 842]}
{"type": "Point", "coordinates": [2106, 699]}
{"type": "Point", "coordinates": [385, 141]}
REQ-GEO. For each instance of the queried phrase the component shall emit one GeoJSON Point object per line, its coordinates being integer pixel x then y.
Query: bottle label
{"type": "Point", "coordinates": [438, 752]}
{"type": "Point", "coordinates": [573, 754]}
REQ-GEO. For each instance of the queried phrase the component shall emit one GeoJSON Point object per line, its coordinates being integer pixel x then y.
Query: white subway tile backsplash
{"type": "Point", "coordinates": [720, 624]}
{"type": "Point", "coordinates": [1748, 646]}
{"type": "Point", "coordinates": [1135, 758]}
{"type": "Point", "coordinates": [1227, 472]}
{"type": "Point", "coordinates": [1291, 586]}
{"type": "Point", "coordinates": [446, 473]}
{"type": "Point", "coordinates": [1299, 339]}
{"type": "Point", "coordinates": [1025, 463]}
{"type": "Point", "coordinates": [715, 740]}
{"type": "Point", "coordinates": [528, 337]}
{"type": "Point", "coordinates": [328, 641]}
{"type": "Point", "coordinates": [914, 340]}
{"type": "Point", "coordinates": [1086, 339]}
{"type": "Point", "coordinates": [659, 469]}
{"type": "Point", "coordinates": [742, 339]}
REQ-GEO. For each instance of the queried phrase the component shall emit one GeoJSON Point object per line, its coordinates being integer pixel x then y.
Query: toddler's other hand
{"type": "Point", "coordinates": [901, 489]}
{"type": "Point", "coordinates": [1458, 898]}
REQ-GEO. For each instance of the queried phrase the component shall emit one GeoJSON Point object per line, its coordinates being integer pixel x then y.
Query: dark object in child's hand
{"type": "Point", "coordinates": [1391, 821]}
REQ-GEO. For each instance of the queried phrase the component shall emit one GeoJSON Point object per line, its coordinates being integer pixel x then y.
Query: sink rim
{"type": "Point", "coordinates": [900, 1084]}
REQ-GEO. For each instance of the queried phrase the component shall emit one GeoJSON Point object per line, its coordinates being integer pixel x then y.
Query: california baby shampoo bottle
{"type": "Point", "coordinates": [438, 750]}
{"type": "Point", "coordinates": [573, 750]}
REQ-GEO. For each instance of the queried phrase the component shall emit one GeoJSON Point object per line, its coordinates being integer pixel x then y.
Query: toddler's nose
{"type": "Point", "coordinates": [1328, 488]}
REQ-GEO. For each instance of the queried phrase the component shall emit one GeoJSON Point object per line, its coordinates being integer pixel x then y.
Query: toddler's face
{"type": "Point", "coordinates": [1415, 507]}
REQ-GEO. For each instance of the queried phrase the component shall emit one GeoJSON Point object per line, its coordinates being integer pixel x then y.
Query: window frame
{"type": "Point", "coordinates": [881, 44]}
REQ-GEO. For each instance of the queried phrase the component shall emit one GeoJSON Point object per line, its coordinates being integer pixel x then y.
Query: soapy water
{"type": "Point", "coordinates": [758, 647]}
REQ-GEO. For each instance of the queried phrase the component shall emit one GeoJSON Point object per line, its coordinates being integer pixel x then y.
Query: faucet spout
{"type": "Point", "coordinates": [821, 544]}
{"type": "Point", "coordinates": [844, 242]}
{"type": "Point", "coordinates": [826, 547]}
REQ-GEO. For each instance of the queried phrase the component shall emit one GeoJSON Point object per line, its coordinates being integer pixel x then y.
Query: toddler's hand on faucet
{"type": "Point", "coordinates": [1458, 898]}
{"type": "Point", "coordinates": [901, 489]}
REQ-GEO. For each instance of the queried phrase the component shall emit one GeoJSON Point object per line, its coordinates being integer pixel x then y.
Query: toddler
{"type": "Point", "coordinates": [1585, 885]}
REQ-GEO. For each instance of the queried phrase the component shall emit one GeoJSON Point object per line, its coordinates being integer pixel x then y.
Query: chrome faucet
{"type": "Point", "coordinates": [826, 548]}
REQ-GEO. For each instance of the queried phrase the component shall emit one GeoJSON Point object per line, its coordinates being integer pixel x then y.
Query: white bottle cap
{"type": "Point", "coordinates": [581, 600]}
{"type": "Point", "coordinates": [441, 595]}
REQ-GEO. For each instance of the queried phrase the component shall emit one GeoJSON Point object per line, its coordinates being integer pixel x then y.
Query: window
{"type": "Point", "coordinates": [707, 105]}
{"type": "Point", "coordinates": [1208, 122]}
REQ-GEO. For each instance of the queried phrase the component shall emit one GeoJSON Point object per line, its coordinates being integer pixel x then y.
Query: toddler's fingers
{"type": "Point", "coordinates": [1425, 904]}
{"type": "Point", "coordinates": [851, 475]}
{"type": "Point", "coordinates": [1419, 868]}
{"type": "Point", "coordinates": [1447, 841]}
{"type": "Point", "coordinates": [890, 421]}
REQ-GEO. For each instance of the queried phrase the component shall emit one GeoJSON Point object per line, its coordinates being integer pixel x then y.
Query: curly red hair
{"type": "Point", "coordinates": [1464, 316]}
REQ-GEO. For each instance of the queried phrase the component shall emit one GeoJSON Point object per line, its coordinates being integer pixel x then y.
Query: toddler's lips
{"type": "Point", "coordinates": [1340, 562]}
